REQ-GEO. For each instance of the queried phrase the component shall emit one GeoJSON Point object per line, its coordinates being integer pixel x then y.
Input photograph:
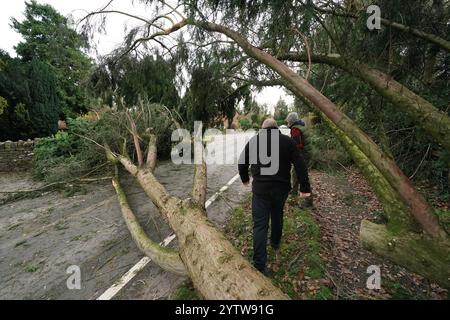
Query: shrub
{"type": "Point", "coordinates": [72, 154]}
{"type": "Point", "coordinates": [245, 124]}
{"type": "Point", "coordinates": [66, 155]}
{"type": "Point", "coordinates": [324, 150]}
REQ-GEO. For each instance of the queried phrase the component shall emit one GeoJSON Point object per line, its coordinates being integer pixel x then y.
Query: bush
{"type": "Point", "coordinates": [245, 124]}
{"type": "Point", "coordinates": [73, 154]}
{"type": "Point", "coordinates": [67, 154]}
{"type": "Point", "coordinates": [324, 150]}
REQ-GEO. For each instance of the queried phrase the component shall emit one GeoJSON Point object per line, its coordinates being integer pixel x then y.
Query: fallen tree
{"type": "Point", "coordinates": [417, 204]}
{"type": "Point", "coordinates": [428, 257]}
{"type": "Point", "coordinates": [400, 239]}
{"type": "Point", "coordinates": [216, 268]}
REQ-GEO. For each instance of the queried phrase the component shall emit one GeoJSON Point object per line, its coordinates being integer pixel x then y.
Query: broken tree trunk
{"type": "Point", "coordinates": [418, 206]}
{"type": "Point", "coordinates": [200, 175]}
{"type": "Point", "coordinates": [428, 257]}
{"type": "Point", "coordinates": [216, 268]}
{"type": "Point", "coordinates": [398, 240]}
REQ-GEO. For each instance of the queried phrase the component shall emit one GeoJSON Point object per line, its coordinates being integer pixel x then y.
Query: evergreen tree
{"type": "Point", "coordinates": [48, 37]}
{"type": "Point", "coordinates": [45, 108]}
{"type": "Point", "coordinates": [30, 105]}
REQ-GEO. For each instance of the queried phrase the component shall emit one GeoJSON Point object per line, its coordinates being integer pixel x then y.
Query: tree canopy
{"type": "Point", "coordinates": [31, 105]}
{"type": "Point", "coordinates": [382, 92]}
{"type": "Point", "coordinates": [50, 38]}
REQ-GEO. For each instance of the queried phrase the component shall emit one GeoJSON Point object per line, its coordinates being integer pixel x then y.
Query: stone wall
{"type": "Point", "coordinates": [17, 155]}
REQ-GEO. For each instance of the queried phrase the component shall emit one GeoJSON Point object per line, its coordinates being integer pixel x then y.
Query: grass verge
{"type": "Point", "coordinates": [297, 269]}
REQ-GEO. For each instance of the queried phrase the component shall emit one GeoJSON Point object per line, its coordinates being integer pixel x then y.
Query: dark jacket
{"type": "Point", "coordinates": [287, 154]}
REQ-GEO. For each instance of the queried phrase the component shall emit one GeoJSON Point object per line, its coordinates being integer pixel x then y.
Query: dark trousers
{"type": "Point", "coordinates": [264, 207]}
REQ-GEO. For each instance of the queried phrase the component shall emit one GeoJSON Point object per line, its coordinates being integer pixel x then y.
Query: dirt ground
{"type": "Point", "coordinates": [341, 203]}
{"type": "Point", "coordinates": [41, 237]}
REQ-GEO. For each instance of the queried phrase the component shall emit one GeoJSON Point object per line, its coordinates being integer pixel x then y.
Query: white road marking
{"type": "Point", "coordinates": [127, 277]}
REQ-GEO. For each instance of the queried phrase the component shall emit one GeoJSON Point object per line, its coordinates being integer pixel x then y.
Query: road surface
{"type": "Point", "coordinates": [41, 238]}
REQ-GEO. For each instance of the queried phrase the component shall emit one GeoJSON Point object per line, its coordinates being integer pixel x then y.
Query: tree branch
{"type": "Point", "coordinates": [444, 44]}
{"type": "Point", "coordinates": [166, 258]}
{"type": "Point", "coordinates": [137, 144]}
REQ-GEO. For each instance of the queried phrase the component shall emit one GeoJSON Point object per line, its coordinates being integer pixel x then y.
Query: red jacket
{"type": "Point", "coordinates": [297, 135]}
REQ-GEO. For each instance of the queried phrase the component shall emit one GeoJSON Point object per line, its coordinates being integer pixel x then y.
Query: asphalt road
{"type": "Point", "coordinates": [40, 238]}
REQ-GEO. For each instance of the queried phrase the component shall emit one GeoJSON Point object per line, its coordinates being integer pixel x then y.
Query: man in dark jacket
{"type": "Point", "coordinates": [269, 155]}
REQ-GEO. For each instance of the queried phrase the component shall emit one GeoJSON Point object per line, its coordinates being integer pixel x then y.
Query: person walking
{"type": "Point", "coordinates": [269, 156]}
{"type": "Point", "coordinates": [296, 126]}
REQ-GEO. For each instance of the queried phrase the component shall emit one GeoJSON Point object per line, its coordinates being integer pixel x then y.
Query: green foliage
{"type": "Point", "coordinates": [45, 110]}
{"type": "Point", "coordinates": [31, 268]}
{"type": "Point", "coordinates": [245, 124]}
{"type": "Point", "coordinates": [3, 105]}
{"type": "Point", "coordinates": [49, 37]}
{"type": "Point", "coordinates": [186, 292]}
{"type": "Point", "coordinates": [281, 111]}
{"type": "Point", "coordinates": [31, 107]}
{"type": "Point", "coordinates": [79, 152]}
{"type": "Point", "coordinates": [324, 150]}
{"type": "Point", "coordinates": [127, 80]}
{"type": "Point", "coordinates": [67, 155]}
{"type": "Point", "coordinates": [209, 97]}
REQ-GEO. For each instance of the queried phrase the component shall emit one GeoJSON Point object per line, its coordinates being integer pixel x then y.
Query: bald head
{"type": "Point", "coordinates": [269, 123]}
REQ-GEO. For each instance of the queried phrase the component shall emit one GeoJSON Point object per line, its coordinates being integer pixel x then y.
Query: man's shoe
{"type": "Point", "coordinates": [262, 270]}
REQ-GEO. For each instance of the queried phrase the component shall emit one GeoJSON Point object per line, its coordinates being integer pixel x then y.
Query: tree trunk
{"type": "Point", "coordinates": [419, 208]}
{"type": "Point", "coordinates": [428, 257]}
{"type": "Point", "coordinates": [395, 210]}
{"type": "Point", "coordinates": [152, 153]}
{"type": "Point", "coordinates": [167, 259]}
{"type": "Point", "coordinates": [216, 268]}
{"type": "Point", "coordinates": [200, 176]}
{"type": "Point", "coordinates": [424, 114]}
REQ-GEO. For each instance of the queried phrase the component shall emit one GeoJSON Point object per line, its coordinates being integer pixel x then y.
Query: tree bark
{"type": "Point", "coordinates": [200, 176]}
{"type": "Point", "coordinates": [428, 257]}
{"type": "Point", "coordinates": [137, 144]}
{"type": "Point", "coordinates": [424, 114]}
{"type": "Point", "coordinates": [165, 258]}
{"type": "Point", "coordinates": [396, 212]}
{"type": "Point", "coordinates": [419, 208]}
{"type": "Point", "coordinates": [152, 153]}
{"type": "Point", "coordinates": [216, 268]}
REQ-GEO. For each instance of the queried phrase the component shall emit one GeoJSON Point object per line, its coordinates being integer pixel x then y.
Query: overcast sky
{"type": "Point", "coordinates": [115, 27]}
